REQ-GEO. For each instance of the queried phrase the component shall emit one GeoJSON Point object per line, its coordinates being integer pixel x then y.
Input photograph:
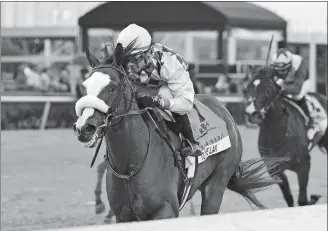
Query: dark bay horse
{"type": "Point", "coordinates": [143, 183]}
{"type": "Point", "coordinates": [282, 132]}
{"type": "Point", "coordinates": [100, 206]}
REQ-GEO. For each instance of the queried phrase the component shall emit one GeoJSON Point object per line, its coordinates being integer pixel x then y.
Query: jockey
{"type": "Point", "coordinates": [291, 74]}
{"type": "Point", "coordinates": [161, 68]}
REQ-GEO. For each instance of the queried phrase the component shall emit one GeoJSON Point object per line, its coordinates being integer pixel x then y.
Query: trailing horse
{"type": "Point", "coordinates": [283, 131]}
{"type": "Point", "coordinates": [146, 177]}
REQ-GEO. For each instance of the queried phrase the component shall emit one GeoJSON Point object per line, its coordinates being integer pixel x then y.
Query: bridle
{"type": "Point", "coordinates": [112, 118]}
{"type": "Point", "coordinates": [111, 115]}
{"type": "Point", "coordinates": [112, 110]}
{"type": "Point", "coordinates": [263, 110]}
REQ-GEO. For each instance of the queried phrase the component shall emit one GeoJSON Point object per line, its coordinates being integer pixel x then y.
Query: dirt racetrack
{"type": "Point", "coordinates": [46, 181]}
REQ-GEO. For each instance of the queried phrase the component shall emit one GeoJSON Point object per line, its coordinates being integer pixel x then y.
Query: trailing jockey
{"type": "Point", "coordinates": [162, 69]}
{"type": "Point", "coordinates": [291, 74]}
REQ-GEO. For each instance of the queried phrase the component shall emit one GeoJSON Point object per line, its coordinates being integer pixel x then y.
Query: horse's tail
{"type": "Point", "coordinates": [251, 177]}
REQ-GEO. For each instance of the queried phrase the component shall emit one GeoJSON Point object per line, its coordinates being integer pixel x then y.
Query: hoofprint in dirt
{"type": "Point", "coordinates": [46, 181]}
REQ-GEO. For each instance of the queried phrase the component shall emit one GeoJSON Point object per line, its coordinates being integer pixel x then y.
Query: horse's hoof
{"type": "Point", "coordinates": [110, 214]}
{"type": "Point", "coordinates": [107, 220]}
{"type": "Point", "coordinates": [100, 208]}
{"type": "Point", "coordinates": [314, 199]}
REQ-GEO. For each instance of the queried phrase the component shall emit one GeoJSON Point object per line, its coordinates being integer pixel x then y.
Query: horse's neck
{"type": "Point", "coordinates": [127, 141]}
{"type": "Point", "coordinates": [274, 124]}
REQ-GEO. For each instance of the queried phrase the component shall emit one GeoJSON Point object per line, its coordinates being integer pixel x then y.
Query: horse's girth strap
{"type": "Point", "coordinates": [167, 139]}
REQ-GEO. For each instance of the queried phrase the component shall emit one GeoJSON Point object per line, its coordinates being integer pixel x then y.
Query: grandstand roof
{"type": "Point", "coordinates": [168, 16]}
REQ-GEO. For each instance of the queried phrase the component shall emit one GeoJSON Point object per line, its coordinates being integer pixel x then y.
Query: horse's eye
{"type": "Point", "coordinates": [112, 88]}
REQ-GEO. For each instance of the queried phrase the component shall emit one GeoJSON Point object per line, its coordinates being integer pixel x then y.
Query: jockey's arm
{"type": "Point", "coordinates": [180, 84]}
{"type": "Point", "coordinates": [301, 75]}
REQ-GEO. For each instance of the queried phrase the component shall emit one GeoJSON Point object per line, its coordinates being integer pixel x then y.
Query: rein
{"type": "Point", "coordinates": [111, 112]}
{"type": "Point", "coordinates": [111, 115]}
{"type": "Point", "coordinates": [265, 109]}
{"type": "Point", "coordinates": [263, 112]}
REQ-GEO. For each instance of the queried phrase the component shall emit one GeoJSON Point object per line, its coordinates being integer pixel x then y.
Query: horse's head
{"type": "Point", "coordinates": [105, 88]}
{"type": "Point", "coordinates": [261, 92]}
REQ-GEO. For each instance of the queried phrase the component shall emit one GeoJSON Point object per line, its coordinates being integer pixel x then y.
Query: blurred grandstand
{"type": "Point", "coordinates": [41, 45]}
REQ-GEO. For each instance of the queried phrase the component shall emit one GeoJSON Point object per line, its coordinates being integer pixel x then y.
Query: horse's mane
{"type": "Point", "coordinates": [110, 52]}
{"type": "Point", "coordinates": [263, 71]}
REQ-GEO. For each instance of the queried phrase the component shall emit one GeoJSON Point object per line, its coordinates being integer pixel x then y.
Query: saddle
{"type": "Point", "coordinates": [208, 129]}
{"type": "Point", "coordinates": [318, 113]}
{"type": "Point", "coordinates": [317, 109]}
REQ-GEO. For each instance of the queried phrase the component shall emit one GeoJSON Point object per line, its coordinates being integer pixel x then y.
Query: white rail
{"type": "Point", "coordinates": [48, 100]}
{"type": "Point", "coordinates": [286, 219]}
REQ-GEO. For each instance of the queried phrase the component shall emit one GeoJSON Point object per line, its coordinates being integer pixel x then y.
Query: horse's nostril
{"type": "Point", "coordinates": [76, 130]}
{"type": "Point", "coordinates": [90, 128]}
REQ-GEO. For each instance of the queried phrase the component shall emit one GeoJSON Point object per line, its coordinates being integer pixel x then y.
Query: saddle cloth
{"type": "Point", "coordinates": [317, 112]}
{"type": "Point", "coordinates": [211, 133]}
{"type": "Point", "coordinates": [208, 129]}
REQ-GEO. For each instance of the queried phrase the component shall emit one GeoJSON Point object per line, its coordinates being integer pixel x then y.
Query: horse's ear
{"type": "Point", "coordinates": [119, 54]}
{"type": "Point", "coordinates": [93, 61]}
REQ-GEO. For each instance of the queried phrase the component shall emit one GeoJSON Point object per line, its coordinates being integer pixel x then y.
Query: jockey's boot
{"type": "Point", "coordinates": [186, 130]}
{"type": "Point", "coordinates": [311, 130]}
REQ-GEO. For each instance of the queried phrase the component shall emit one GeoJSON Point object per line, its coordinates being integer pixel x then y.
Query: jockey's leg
{"type": "Point", "coordinates": [306, 87]}
{"type": "Point", "coordinates": [302, 102]}
{"type": "Point", "coordinates": [186, 130]}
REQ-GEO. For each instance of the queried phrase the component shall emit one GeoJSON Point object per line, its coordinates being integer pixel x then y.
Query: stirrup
{"type": "Point", "coordinates": [190, 144]}
{"type": "Point", "coordinates": [193, 150]}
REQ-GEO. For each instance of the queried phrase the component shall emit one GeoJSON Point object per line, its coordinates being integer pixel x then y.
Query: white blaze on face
{"type": "Point", "coordinates": [256, 82]}
{"type": "Point", "coordinates": [96, 83]}
{"type": "Point", "coordinates": [93, 85]}
{"type": "Point", "coordinates": [87, 112]}
{"type": "Point", "coordinates": [250, 108]}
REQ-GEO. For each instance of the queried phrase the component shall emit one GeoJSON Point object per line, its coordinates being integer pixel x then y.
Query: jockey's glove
{"type": "Point", "coordinates": [154, 101]}
{"type": "Point", "coordinates": [280, 83]}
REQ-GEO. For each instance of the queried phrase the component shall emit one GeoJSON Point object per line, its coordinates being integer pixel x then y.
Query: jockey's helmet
{"type": "Point", "coordinates": [282, 62]}
{"type": "Point", "coordinates": [142, 46]}
{"type": "Point", "coordinates": [132, 32]}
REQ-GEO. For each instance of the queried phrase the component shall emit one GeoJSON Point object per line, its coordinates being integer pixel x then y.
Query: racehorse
{"type": "Point", "coordinates": [144, 182]}
{"type": "Point", "coordinates": [283, 131]}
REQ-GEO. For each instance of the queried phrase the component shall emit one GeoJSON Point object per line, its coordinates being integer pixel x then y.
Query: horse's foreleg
{"type": "Point", "coordinates": [284, 186]}
{"type": "Point", "coordinates": [166, 211]}
{"type": "Point", "coordinates": [303, 179]}
{"type": "Point", "coordinates": [101, 169]}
